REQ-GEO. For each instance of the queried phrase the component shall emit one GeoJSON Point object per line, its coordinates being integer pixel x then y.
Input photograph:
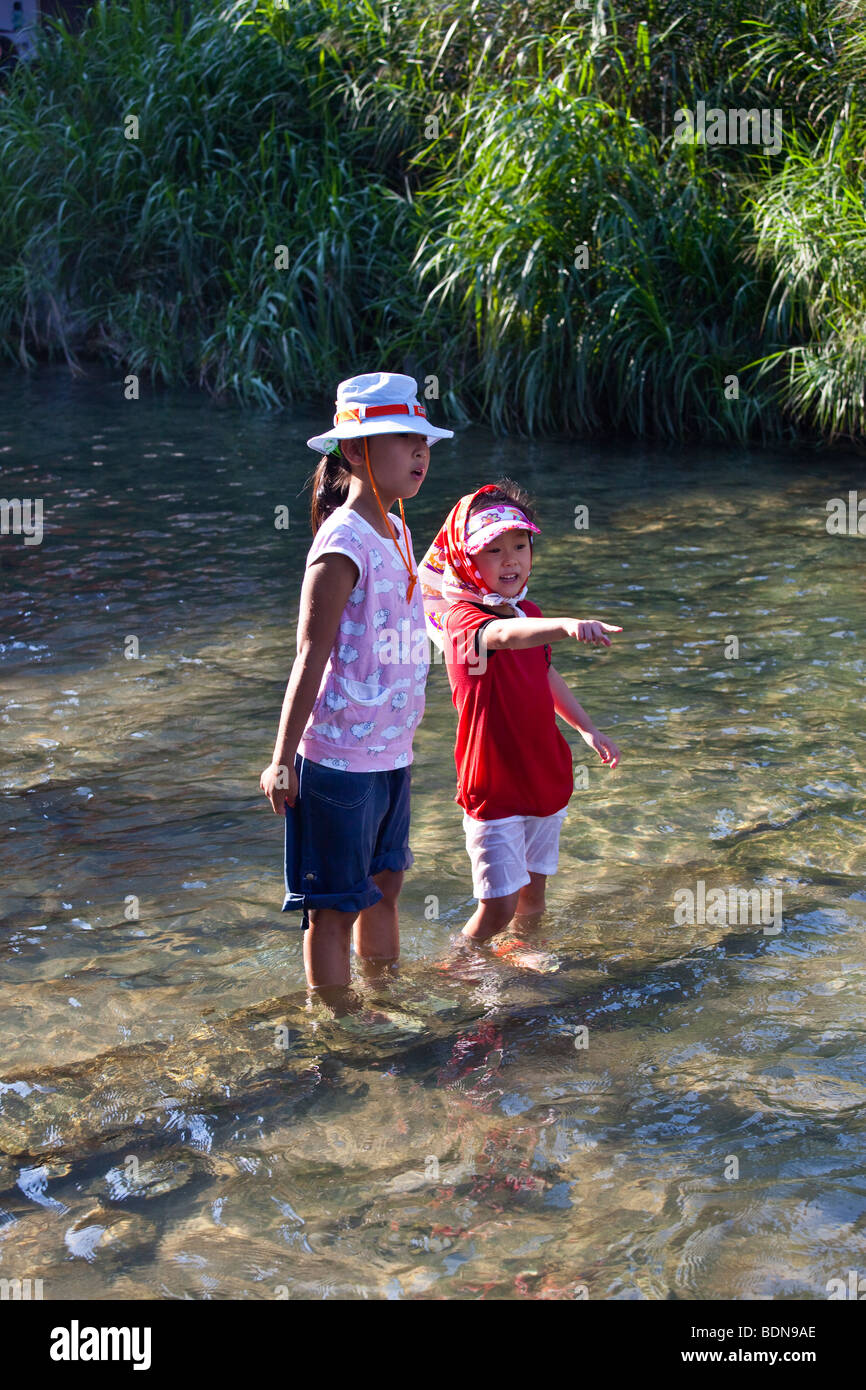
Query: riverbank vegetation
{"type": "Point", "coordinates": [492, 196]}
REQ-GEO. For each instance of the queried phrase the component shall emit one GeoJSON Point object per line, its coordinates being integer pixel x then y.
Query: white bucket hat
{"type": "Point", "coordinates": [377, 403]}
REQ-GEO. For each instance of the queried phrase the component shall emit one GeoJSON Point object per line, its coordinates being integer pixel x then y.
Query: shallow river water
{"type": "Point", "coordinates": [670, 1109]}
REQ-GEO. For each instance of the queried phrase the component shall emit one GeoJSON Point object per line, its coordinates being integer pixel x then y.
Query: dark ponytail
{"type": "Point", "coordinates": [330, 488]}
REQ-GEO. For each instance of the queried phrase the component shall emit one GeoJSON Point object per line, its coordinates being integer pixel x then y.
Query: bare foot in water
{"type": "Point", "coordinates": [521, 954]}
{"type": "Point", "coordinates": [464, 951]}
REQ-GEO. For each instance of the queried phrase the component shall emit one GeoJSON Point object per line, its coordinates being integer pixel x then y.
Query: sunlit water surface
{"type": "Point", "coordinates": [175, 1122]}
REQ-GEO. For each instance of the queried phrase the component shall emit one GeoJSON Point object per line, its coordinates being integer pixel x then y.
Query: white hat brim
{"type": "Point", "coordinates": [351, 429]}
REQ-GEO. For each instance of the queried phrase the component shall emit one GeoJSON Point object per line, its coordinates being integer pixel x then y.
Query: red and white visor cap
{"type": "Point", "coordinates": [495, 520]}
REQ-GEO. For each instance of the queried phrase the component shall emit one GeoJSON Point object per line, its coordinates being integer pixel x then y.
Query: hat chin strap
{"type": "Point", "coordinates": [413, 578]}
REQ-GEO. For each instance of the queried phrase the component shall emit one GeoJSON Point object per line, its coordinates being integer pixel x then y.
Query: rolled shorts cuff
{"type": "Point", "coordinates": [394, 860]}
{"type": "Point", "coordinates": [338, 902]}
{"type": "Point", "coordinates": [497, 890]}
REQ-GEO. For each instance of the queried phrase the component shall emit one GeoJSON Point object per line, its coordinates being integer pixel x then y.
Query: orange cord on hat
{"type": "Point", "coordinates": [413, 578]}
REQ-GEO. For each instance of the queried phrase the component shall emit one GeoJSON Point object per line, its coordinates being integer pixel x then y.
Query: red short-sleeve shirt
{"type": "Point", "coordinates": [511, 758]}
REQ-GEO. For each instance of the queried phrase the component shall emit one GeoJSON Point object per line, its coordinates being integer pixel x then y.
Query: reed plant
{"type": "Point", "coordinates": [614, 297]}
{"type": "Point", "coordinates": [488, 192]}
{"type": "Point", "coordinates": [811, 228]}
{"type": "Point", "coordinates": [160, 251]}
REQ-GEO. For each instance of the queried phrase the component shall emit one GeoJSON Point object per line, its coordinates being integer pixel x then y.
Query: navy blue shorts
{"type": "Point", "coordinates": [343, 828]}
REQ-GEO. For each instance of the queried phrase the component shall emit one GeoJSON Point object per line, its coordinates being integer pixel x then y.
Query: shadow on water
{"type": "Point", "coordinates": [503, 1048]}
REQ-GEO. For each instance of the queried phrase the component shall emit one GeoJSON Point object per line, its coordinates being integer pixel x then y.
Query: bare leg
{"type": "Point", "coordinates": [326, 949]}
{"type": "Point", "coordinates": [530, 907]}
{"type": "Point", "coordinates": [490, 916]}
{"type": "Point", "coordinates": [377, 929]}
{"type": "Point", "coordinates": [530, 899]}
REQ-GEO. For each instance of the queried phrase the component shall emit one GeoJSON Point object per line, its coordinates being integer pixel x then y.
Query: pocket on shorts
{"type": "Point", "coordinates": [345, 789]}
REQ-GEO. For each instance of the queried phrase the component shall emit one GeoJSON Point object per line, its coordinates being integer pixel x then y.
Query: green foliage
{"type": "Point", "coordinates": [614, 297]}
{"type": "Point", "coordinates": [811, 227]}
{"type": "Point", "coordinates": [432, 171]}
{"type": "Point", "coordinates": [161, 250]}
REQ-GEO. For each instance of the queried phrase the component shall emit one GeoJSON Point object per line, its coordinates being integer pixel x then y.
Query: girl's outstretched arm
{"type": "Point", "coordinates": [538, 632]}
{"type": "Point", "coordinates": [325, 592]}
{"type": "Point", "coordinates": [569, 709]}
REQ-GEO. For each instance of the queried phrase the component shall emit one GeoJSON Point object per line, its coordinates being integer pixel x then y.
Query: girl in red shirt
{"type": "Point", "coordinates": [514, 773]}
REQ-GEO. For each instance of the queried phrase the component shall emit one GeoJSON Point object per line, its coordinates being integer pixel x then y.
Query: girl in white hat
{"type": "Point", "coordinates": [340, 769]}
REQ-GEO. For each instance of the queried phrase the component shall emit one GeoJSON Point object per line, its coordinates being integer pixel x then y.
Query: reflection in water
{"type": "Point", "coordinates": [675, 1109]}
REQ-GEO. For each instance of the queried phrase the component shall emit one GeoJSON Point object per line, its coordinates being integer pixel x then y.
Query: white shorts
{"type": "Point", "coordinates": [505, 852]}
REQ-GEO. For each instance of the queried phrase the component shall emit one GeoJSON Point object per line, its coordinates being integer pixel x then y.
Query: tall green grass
{"type": "Point", "coordinates": [159, 252]}
{"type": "Point", "coordinates": [810, 231]}
{"type": "Point", "coordinates": [600, 274]}
{"type": "Point", "coordinates": [811, 226]}
{"type": "Point", "coordinates": [433, 170]}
